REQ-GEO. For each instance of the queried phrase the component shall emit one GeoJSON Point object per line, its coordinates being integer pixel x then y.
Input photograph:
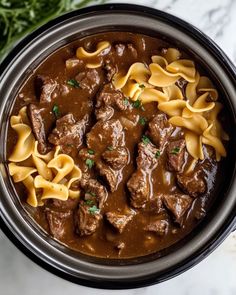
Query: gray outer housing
{"type": "Point", "coordinates": [15, 221]}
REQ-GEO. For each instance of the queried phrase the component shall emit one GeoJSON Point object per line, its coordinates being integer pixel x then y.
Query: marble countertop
{"type": "Point", "coordinates": [216, 275]}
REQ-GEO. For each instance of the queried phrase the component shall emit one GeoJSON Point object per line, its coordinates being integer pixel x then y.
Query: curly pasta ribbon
{"type": "Point", "coordinates": [20, 173]}
{"type": "Point", "coordinates": [32, 197]}
{"type": "Point", "coordinates": [25, 142]}
{"type": "Point", "coordinates": [172, 107]}
{"type": "Point", "coordinates": [102, 48]}
{"type": "Point", "coordinates": [51, 190]}
{"type": "Point", "coordinates": [194, 144]}
{"type": "Point", "coordinates": [63, 164]}
{"type": "Point", "coordinates": [173, 92]}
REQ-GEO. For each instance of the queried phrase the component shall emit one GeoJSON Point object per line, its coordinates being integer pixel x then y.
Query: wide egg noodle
{"type": "Point", "coordinates": [51, 190]}
{"type": "Point", "coordinates": [173, 107]}
{"type": "Point", "coordinates": [194, 144]}
{"type": "Point", "coordinates": [32, 196]}
{"type": "Point", "coordinates": [25, 141]}
{"type": "Point", "coordinates": [20, 173]}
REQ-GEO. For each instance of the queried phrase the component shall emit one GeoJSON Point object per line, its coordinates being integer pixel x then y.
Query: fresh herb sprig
{"type": "Point", "coordinates": [18, 18]}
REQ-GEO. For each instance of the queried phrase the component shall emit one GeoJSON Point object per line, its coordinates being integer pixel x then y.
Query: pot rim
{"type": "Point", "coordinates": [229, 223]}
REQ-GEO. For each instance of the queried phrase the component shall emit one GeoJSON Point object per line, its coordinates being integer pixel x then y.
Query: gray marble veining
{"type": "Point", "coordinates": [216, 274]}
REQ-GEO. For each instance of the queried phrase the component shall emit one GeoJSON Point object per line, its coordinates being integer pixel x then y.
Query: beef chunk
{"type": "Point", "coordinates": [116, 158]}
{"type": "Point", "coordinates": [87, 220]}
{"type": "Point", "coordinates": [109, 96]}
{"type": "Point", "coordinates": [104, 134]}
{"type": "Point", "coordinates": [159, 130]}
{"type": "Point", "coordinates": [86, 154]}
{"type": "Point", "coordinates": [177, 204]}
{"type": "Point", "coordinates": [57, 222]}
{"type": "Point", "coordinates": [120, 49]}
{"type": "Point", "coordinates": [159, 226]}
{"type": "Point", "coordinates": [68, 133]}
{"type": "Point", "coordinates": [111, 177]}
{"type": "Point", "coordinates": [139, 188]}
{"type": "Point", "coordinates": [146, 159]}
{"type": "Point", "coordinates": [104, 113]}
{"type": "Point", "coordinates": [38, 128]}
{"type": "Point", "coordinates": [44, 88]}
{"type": "Point", "coordinates": [89, 80]}
{"type": "Point", "coordinates": [194, 185]}
{"type": "Point", "coordinates": [110, 69]}
{"type": "Point", "coordinates": [132, 50]}
{"type": "Point", "coordinates": [175, 155]}
{"type": "Point", "coordinates": [119, 221]}
{"type": "Point", "coordinates": [69, 204]}
{"type": "Point", "coordinates": [94, 190]}
{"type": "Point", "coordinates": [155, 204]}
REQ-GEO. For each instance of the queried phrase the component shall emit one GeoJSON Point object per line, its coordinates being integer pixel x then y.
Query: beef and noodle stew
{"type": "Point", "coordinates": [115, 144]}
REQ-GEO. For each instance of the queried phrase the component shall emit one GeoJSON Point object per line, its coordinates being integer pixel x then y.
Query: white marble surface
{"type": "Point", "coordinates": [216, 275]}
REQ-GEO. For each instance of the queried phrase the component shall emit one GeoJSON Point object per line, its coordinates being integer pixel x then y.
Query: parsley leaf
{"type": "Point", "coordinates": [175, 151]}
{"type": "Point", "coordinates": [89, 163]}
{"type": "Point", "coordinates": [56, 111]}
{"type": "Point", "coordinates": [126, 101]}
{"type": "Point", "coordinates": [74, 83]}
{"type": "Point", "coordinates": [142, 121]}
{"type": "Point", "coordinates": [158, 153]}
{"type": "Point", "coordinates": [91, 152]}
{"type": "Point", "coordinates": [110, 148]}
{"type": "Point", "coordinates": [89, 202]}
{"type": "Point", "coordinates": [145, 139]}
{"type": "Point", "coordinates": [94, 210]}
{"type": "Point", "coordinates": [142, 86]}
{"type": "Point", "coordinates": [137, 104]}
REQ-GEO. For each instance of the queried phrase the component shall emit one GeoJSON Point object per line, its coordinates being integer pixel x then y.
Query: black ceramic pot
{"type": "Point", "coordinates": [22, 230]}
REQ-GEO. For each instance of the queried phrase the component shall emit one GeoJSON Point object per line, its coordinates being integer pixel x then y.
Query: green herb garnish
{"type": "Point", "coordinates": [18, 18]}
{"type": "Point", "coordinates": [56, 111]}
{"type": "Point", "coordinates": [94, 210]}
{"type": "Point", "coordinates": [175, 151]}
{"type": "Point", "coordinates": [142, 121]}
{"type": "Point", "coordinates": [74, 83]}
{"type": "Point", "coordinates": [91, 152]}
{"type": "Point", "coordinates": [89, 202]}
{"type": "Point", "coordinates": [89, 163]}
{"type": "Point", "coordinates": [145, 139]}
{"type": "Point", "coordinates": [126, 101]}
{"type": "Point", "coordinates": [110, 148]}
{"type": "Point", "coordinates": [137, 104]}
{"type": "Point", "coordinates": [157, 154]}
{"type": "Point", "coordinates": [142, 86]}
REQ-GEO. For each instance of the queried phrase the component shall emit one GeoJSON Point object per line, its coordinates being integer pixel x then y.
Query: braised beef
{"type": "Point", "coordinates": [159, 130]}
{"type": "Point", "coordinates": [116, 158]}
{"type": "Point", "coordinates": [109, 96]}
{"type": "Point", "coordinates": [104, 113]}
{"type": "Point", "coordinates": [139, 188]}
{"type": "Point", "coordinates": [89, 80]}
{"type": "Point", "coordinates": [87, 220]}
{"type": "Point", "coordinates": [147, 156]}
{"type": "Point", "coordinates": [94, 190]}
{"type": "Point", "coordinates": [105, 134]}
{"type": "Point", "coordinates": [68, 133]}
{"type": "Point", "coordinates": [193, 184]}
{"type": "Point", "coordinates": [38, 128]}
{"type": "Point", "coordinates": [56, 204]}
{"type": "Point", "coordinates": [119, 221]}
{"type": "Point", "coordinates": [159, 226]}
{"type": "Point", "coordinates": [44, 88]}
{"type": "Point", "coordinates": [110, 176]}
{"type": "Point", "coordinates": [177, 204]}
{"type": "Point", "coordinates": [57, 222]}
{"type": "Point", "coordinates": [155, 204]}
{"type": "Point", "coordinates": [175, 155]}
{"type": "Point", "coordinates": [110, 69]}
{"type": "Point", "coordinates": [120, 48]}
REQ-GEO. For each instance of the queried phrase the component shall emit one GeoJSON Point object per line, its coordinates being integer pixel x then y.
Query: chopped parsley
{"type": "Point", "coordinates": [142, 86]}
{"type": "Point", "coordinates": [158, 153]}
{"type": "Point", "coordinates": [94, 210]}
{"type": "Point", "coordinates": [110, 148]}
{"type": "Point", "coordinates": [137, 104]}
{"type": "Point", "coordinates": [56, 111]}
{"type": "Point", "coordinates": [145, 139]}
{"type": "Point", "coordinates": [89, 163]}
{"type": "Point", "coordinates": [74, 83]}
{"type": "Point", "coordinates": [142, 121]}
{"type": "Point", "coordinates": [175, 151]}
{"type": "Point", "coordinates": [89, 202]}
{"type": "Point", "coordinates": [91, 152]}
{"type": "Point", "coordinates": [126, 101]}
